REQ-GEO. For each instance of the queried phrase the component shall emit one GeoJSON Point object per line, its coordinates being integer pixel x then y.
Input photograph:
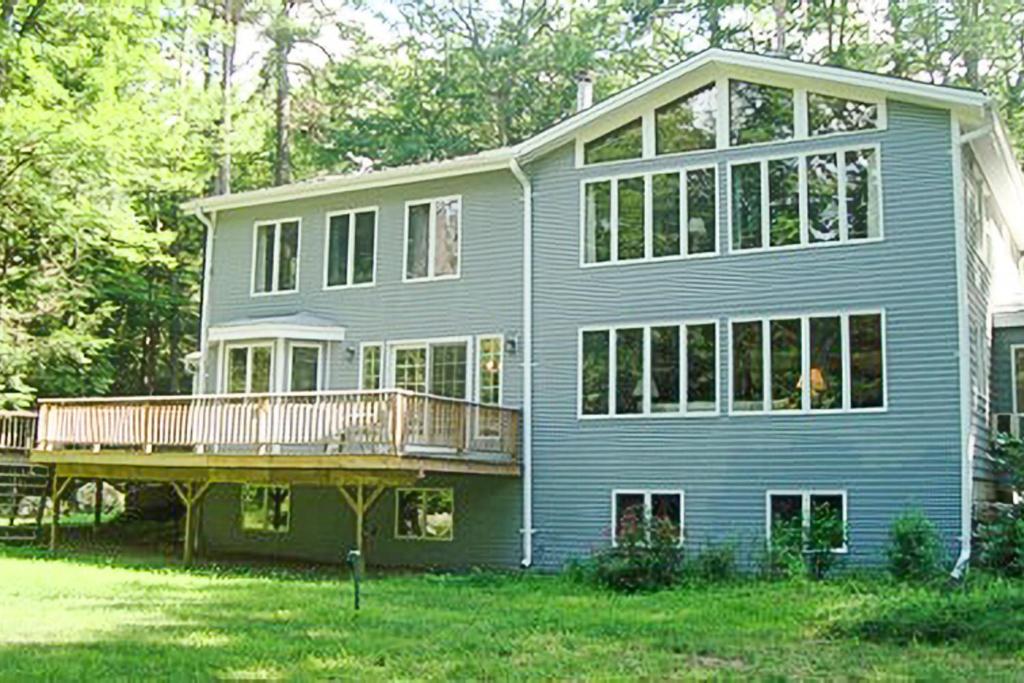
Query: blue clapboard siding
{"type": "Point", "coordinates": [486, 299]}
{"type": "Point", "coordinates": [906, 457]}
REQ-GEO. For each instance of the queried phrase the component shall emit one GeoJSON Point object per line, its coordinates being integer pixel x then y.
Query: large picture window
{"type": "Point", "coordinates": [351, 248]}
{"type": "Point", "coordinates": [688, 123]}
{"type": "Point", "coordinates": [791, 517]}
{"type": "Point", "coordinates": [649, 370]}
{"type": "Point", "coordinates": [654, 216]}
{"type": "Point", "coordinates": [432, 239]}
{"type": "Point", "coordinates": [425, 514]}
{"type": "Point", "coordinates": [275, 266]}
{"type": "Point", "coordinates": [808, 363]}
{"type": "Point", "coordinates": [266, 508]}
{"type": "Point", "coordinates": [630, 509]}
{"type": "Point", "coordinates": [625, 142]}
{"type": "Point", "coordinates": [810, 199]}
{"type": "Point", "coordinates": [439, 368]}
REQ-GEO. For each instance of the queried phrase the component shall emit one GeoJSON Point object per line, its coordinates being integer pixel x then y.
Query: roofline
{"type": "Point", "coordinates": [950, 96]}
{"type": "Point", "coordinates": [490, 160]}
{"type": "Point", "coordinates": [497, 159]}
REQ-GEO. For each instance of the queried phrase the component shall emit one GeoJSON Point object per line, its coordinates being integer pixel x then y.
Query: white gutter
{"type": "Point", "coordinates": [204, 314]}
{"type": "Point", "coordinates": [527, 531]}
{"type": "Point", "coordinates": [966, 437]}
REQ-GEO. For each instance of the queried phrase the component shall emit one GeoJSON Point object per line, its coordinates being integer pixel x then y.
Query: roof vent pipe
{"type": "Point", "coordinates": [584, 90]}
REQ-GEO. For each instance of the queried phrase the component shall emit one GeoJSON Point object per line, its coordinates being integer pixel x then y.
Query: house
{"type": "Point", "coordinates": [739, 291]}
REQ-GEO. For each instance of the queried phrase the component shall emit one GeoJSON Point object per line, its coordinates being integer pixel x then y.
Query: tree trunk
{"type": "Point", "coordinates": [283, 103]}
{"type": "Point", "coordinates": [231, 11]}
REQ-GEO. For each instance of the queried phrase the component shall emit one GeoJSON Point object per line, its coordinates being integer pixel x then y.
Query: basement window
{"type": "Point", "coordinates": [631, 508]}
{"type": "Point", "coordinates": [424, 514]}
{"type": "Point", "coordinates": [266, 508]}
{"type": "Point", "coordinates": [793, 516]}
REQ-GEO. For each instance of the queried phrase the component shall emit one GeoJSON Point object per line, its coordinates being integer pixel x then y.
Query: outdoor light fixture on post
{"type": "Point", "coordinates": [354, 561]}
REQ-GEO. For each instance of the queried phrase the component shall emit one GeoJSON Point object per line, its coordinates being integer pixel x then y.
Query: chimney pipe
{"type": "Point", "coordinates": [584, 90]}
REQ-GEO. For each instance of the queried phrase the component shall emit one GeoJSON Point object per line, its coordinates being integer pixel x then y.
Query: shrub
{"type": "Point", "coordinates": [999, 544]}
{"type": "Point", "coordinates": [915, 549]}
{"type": "Point", "coordinates": [647, 556]}
{"type": "Point", "coordinates": [797, 551]}
{"type": "Point", "coordinates": [783, 554]}
{"type": "Point", "coordinates": [826, 532]}
{"type": "Point", "coordinates": [715, 563]}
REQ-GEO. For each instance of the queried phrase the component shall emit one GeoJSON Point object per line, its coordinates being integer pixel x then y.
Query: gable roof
{"type": "Point", "coordinates": [968, 102]}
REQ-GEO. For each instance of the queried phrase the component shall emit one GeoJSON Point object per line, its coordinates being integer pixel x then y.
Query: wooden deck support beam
{"type": "Point", "coordinates": [361, 503]}
{"type": "Point", "coordinates": [59, 487]}
{"type": "Point", "coordinates": [191, 494]}
{"type": "Point", "coordinates": [97, 505]}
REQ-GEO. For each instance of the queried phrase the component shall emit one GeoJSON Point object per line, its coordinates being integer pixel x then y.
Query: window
{"type": "Point", "coordinates": [488, 385]}
{"type": "Point", "coordinates": [438, 368]}
{"type": "Point", "coordinates": [843, 355]}
{"type": "Point", "coordinates": [370, 367]}
{"type": "Point", "coordinates": [276, 257]}
{"type": "Point", "coordinates": [424, 514]}
{"type": "Point", "coordinates": [682, 220]}
{"type": "Point", "coordinates": [836, 115]}
{"type": "Point", "coordinates": [266, 508]}
{"type": "Point", "coordinates": [1017, 365]}
{"type": "Point", "coordinates": [351, 240]}
{"type": "Point", "coordinates": [822, 198]}
{"type": "Point", "coordinates": [305, 367]}
{"type": "Point", "coordinates": [249, 369]}
{"type": "Point", "coordinates": [631, 508]}
{"type": "Point", "coordinates": [658, 370]}
{"type": "Point", "coordinates": [432, 238]}
{"type": "Point", "coordinates": [759, 113]}
{"type": "Point", "coordinates": [688, 123]}
{"type": "Point", "coordinates": [792, 515]}
{"type": "Point", "coordinates": [625, 142]}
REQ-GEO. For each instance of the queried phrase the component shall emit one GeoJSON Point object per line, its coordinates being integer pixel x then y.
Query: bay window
{"type": "Point", "coordinates": [649, 370]}
{"type": "Point", "coordinates": [808, 363]}
{"type": "Point", "coordinates": [304, 370]}
{"type": "Point", "coordinates": [249, 368]}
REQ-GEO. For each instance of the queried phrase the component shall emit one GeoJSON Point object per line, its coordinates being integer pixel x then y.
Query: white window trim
{"type": "Point", "coordinates": [321, 365]}
{"type": "Point", "coordinates": [241, 508]}
{"type": "Point", "coordinates": [275, 291]}
{"type": "Point", "coordinates": [431, 240]}
{"type": "Point", "coordinates": [649, 256]}
{"type": "Point", "coordinates": [425, 489]}
{"type": "Point", "coordinates": [382, 379]}
{"type": "Point", "coordinates": [350, 266]}
{"type": "Point", "coordinates": [225, 355]}
{"type": "Point", "coordinates": [805, 511]}
{"type": "Point", "coordinates": [800, 88]}
{"type": "Point", "coordinates": [844, 316]}
{"type": "Point", "coordinates": [406, 344]}
{"type": "Point", "coordinates": [805, 242]}
{"type": "Point", "coordinates": [1013, 375]}
{"type": "Point", "coordinates": [647, 494]}
{"type": "Point", "coordinates": [683, 412]}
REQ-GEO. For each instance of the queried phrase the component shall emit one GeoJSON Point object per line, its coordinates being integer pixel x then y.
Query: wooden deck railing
{"type": "Point", "coordinates": [379, 422]}
{"type": "Point", "coordinates": [17, 430]}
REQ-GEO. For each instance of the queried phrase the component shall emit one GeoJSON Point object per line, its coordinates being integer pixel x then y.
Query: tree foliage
{"type": "Point", "coordinates": [112, 113]}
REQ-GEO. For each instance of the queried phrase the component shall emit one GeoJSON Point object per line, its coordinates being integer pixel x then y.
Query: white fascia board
{"type": "Point", "coordinates": [275, 331]}
{"type": "Point", "coordinates": [1008, 319]}
{"type": "Point", "coordinates": [897, 88]}
{"type": "Point", "coordinates": [491, 160]}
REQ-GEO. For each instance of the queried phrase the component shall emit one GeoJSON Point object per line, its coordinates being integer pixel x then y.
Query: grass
{"type": "Point", "coordinates": [79, 616]}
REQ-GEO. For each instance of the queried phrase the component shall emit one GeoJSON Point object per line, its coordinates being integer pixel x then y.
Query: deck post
{"type": "Point", "coordinates": [97, 504]}
{"type": "Point", "coordinates": [59, 486]}
{"type": "Point", "coordinates": [360, 504]}
{"type": "Point", "coordinates": [191, 497]}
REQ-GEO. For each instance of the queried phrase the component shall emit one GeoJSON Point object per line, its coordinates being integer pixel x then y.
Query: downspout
{"type": "Point", "coordinates": [204, 319]}
{"type": "Point", "coordinates": [527, 530]}
{"type": "Point", "coordinates": [967, 438]}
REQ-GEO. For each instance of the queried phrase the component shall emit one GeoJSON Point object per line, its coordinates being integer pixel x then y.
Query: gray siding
{"type": "Point", "coordinates": [486, 299]}
{"type": "Point", "coordinates": [322, 527]}
{"type": "Point", "coordinates": [907, 456]}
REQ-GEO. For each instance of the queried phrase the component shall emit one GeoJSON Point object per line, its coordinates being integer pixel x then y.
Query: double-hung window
{"type": "Point", "coordinates": [669, 369]}
{"type": "Point", "coordinates": [632, 508]}
{"type": "Point", "coordinates": [808, 199]}
{"type": "Point", "coordinates": [423, 514]}
{"type": "Point", "coordinates": [249, 369]}
{"type": "Point", "coordinates": [793, 517]}
{"type": "Point", "coordinates": [808, 363]}
{"type": "Point", "coordinates": [650, 216]}
{"type": "Point", "coordinates": [275, 263]}
{"type": "Point", "coordinates": [351, 248]}
{"type": "Point", "coordinates": [433, 230]}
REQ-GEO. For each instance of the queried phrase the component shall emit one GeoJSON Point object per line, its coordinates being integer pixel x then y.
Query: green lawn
{"type": "Point", "coordinates": [77, 617]}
